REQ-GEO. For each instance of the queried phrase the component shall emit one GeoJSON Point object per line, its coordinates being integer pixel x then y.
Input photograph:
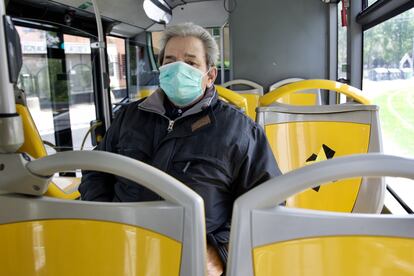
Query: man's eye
{"type": "Point", "coordinates": [191, 63]}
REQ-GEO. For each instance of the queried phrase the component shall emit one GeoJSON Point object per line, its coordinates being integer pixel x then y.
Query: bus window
{"type": "Point", "coordinates": [216, 33]}
{"type": "Point", "coordinates": [154, 49]}
{"type": "Point", "coordinates": [34, 80]}
{"type": "Point", "coordinates": [156, 36]}
{"type": "Point", "coordinates": [388, 81]}
{"type": "Point", "coordinates": [57, 79]}
{"type": "Point", "coordinates": [134, 63]}
{"type": "Point", "coordinates": [80, 84]}
{"type": "Point", "coordinates": [142, 81]}
{"type": "Point", "coordinates": [370, 2]}
{"type": "Point", "coordinates": [342, 46]}
{"type": "Point", "coordinates": [117, 68]}
{"type": "Point", "coordinates": [226, 53]}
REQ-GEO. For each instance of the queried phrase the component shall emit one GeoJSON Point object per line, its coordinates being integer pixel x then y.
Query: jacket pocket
{"type": "Point", "coordinates": [202, 168]}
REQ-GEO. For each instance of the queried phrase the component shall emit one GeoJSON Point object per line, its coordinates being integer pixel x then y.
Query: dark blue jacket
{"type": "Point", "coordinates": [213, 148]}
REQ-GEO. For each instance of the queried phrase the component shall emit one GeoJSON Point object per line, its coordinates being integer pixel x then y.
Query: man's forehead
{"type": "Point", "coordinates": [184, 46]}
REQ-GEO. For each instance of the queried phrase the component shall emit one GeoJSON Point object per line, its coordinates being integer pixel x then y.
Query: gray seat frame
{"type": "Point", "coordinates": [258, 220]}
{"type": "Point", "coordinates": [179, 217]}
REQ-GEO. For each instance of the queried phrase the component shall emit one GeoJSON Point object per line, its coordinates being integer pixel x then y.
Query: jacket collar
{"type": "Point", "coordinates": [155, 102]}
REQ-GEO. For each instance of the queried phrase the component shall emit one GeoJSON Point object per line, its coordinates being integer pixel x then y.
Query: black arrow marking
{"type": "Point", "coordinates": [316, 189]}
{"type": "Point", "coordinates": [329, 153]}
{"type": "Point", "coordinates": [312, 158]}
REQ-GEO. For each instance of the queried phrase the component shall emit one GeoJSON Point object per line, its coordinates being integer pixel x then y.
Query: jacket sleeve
{"type": "Point", "coordinates": [258, 163]}
{"type": "Point", "coordinates": [99, 186]}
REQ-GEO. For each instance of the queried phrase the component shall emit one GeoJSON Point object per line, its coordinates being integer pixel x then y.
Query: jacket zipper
{"type": "Point", "coordinates": [170, 122]}
{"type": "Point", "coordinates": [170, 126]}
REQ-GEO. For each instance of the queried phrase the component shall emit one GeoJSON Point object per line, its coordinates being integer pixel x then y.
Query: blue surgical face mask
{"type": "Point", "coordinates": [182, 83]}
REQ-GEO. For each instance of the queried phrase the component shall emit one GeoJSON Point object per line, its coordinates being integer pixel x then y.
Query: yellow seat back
{"type": "Point", "coordinates": [312, 141]}
{"type": "Point", "coordinates": [288, 94]}
{"type": "Point", "coordinates": [252, 95]}
{"type": "Point", "coordinates": [33, 145]}
{"type": "Point", "coordinates": [338, 255]}
{"type": "Point", "coordinates": [301, 135]}
{"type": "Point", "coordinates": [69, 247]}
{"type": "Point", "coordinates": [233, 98]}
{"type": "Point", "coordinates": [253, 103]}
{"type": "Point", "coordinates": [304, 97]}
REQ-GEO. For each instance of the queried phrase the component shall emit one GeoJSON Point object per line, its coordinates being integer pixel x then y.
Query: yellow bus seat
{"type": "Point", "coordinates": [233, 98]}
{"type": "Point", "coordinates": [301, 135]}
{"type": "Point", "coordinates": [145, 91]}
{"type": "Point", "coordinates": [252, 95]}
{"type": "Point", "coordinates": [304, 97]}
{"type": "Point", "coordinates": [288, 89]}
{"type": "Point", "coordinates": [48, 236]}
{"type": "Point", "coordinates": [60, 187]}
{"type": "Point", "coordinates": [267, 239]}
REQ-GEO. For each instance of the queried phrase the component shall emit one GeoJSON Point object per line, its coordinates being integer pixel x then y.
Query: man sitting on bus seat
{"type": "Point", "coordinates": [186, 131]}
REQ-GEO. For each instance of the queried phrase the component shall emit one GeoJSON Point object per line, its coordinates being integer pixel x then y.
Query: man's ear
{"type": "Point", "coordinates": [212, 75]}
{"type": "Point", "coordinates": [160, 58]}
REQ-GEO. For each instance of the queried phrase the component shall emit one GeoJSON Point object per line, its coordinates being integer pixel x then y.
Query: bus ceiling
{"type": "Point", "coordinates": [204, 13]}
{"type": "Point", "coordinates": [126, 18]}
{"type": "Point", "coordinates": [51, 14]}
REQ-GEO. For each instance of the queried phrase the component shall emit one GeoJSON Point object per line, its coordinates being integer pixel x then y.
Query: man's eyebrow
{"type": "Point", "coordinates": [170, 57]}
{"type": "Point", "coordinates": [190, 55]}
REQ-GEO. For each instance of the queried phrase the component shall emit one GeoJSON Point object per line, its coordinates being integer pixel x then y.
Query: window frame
{"type": "Point", "coordinates": [150, 48]}
{"type": "Point", "coordinates": [371, 16]}
{"type": "Point", "coordinates": [381, 11]}
{"type": "Point", "coordinates": [108, 64]}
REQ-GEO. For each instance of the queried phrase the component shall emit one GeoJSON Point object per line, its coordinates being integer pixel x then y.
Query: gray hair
{"type": "Point", "coordinates": [190, 29]}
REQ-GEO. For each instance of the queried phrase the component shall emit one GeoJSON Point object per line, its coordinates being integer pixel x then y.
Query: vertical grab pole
{"type": "Point", "coordinates": [102, 62]}
{"type": "Point", "coordinates": [11, 129]}
{"type": "Point", "coordinates": [7, 103]}
{"type": "Point", "coordinates": [222, 52]}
